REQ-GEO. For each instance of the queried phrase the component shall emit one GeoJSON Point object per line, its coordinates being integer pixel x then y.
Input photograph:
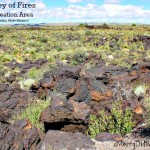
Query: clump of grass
{"type": "Point", "coordinates": [44, 40]}
{"type": "Point", "coordinates": [58, 48]}
{"type": "Point", "coordinates": [88, 32]}
{"type": "Point", "coordinates": [34, 73]}
{"type": "Point", "coordinates": [32, 113]}
{"type": "Point", "coordinates": [118, 121]}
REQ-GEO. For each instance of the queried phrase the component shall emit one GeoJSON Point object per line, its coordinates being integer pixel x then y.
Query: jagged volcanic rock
{"type": "Point", "coordinates": [12, 98]}
{"type": "Point", "coordinates": [62, 140]}
{"type": "Point", "coordinates": [66, 115]}
{"type": "Point", "coordinates": [19, 136]}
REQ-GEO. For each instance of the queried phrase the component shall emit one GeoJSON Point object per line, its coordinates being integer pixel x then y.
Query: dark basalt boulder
{"type": "Point", "coordinates": [98, 90]}
{"type": "Point", "coordinates": [105, 136]}
{"type": "Point", "coordinates": [46, 82]}
{"type": "Point", "coordinates": [146, 41]}
{"type": "Point", "coordinates": [3, 87]}
{"type": "Point", "coordinates": [97, 106]}
{"type": "Point", "coordinates": [65, 115]}
{"type": "Point", "coordinates": [4, 127]}
{"type": "Point", "coordinates": [97, 72]}
{"type": "Point", "coordinates": [144, 72]}
{"type": "Point", "coordinates": [82, 93]}
{"type": "Point", "coordinates": [91, 84]}
{"type": "Point", "coordinates": [19, 136]}
{"type": "Point", "coordinates": [66, 71]}
{"type": "Point", "coordinates": [69, 141]}
{"type": "Point", "coordinates": [12, 98]}
{"type": "Point", "coordinates": [26, 65]}
{"type": "Point", "coordinates": [65, 85]}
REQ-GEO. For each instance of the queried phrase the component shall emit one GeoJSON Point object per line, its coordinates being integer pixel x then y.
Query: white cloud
{"type": "Point", "coordinates": [105, 12]}
{"type": "Point", "coordinates": [112, 1]}
{"type": "Point", "coordinates": [40, 5]}
{"type": "Point", "coordinates": [74, 1]}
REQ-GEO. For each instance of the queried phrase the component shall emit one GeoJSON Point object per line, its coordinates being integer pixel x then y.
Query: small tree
{"type": "Point", "coordinates": [105, 26]}
{"type": "Point", "coordinates": [133, 25]}
{"type": "Point", "coordinates": [83, 24]}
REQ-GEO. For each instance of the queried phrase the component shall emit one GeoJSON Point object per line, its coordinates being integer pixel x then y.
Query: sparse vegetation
{"type": "Point", "coordinates": [118, 121]}
{"type": "Point", "coordinates": [32, 113]}
{"type": "Point", "coordinates": [34, 73]}
{"type": "Point", "coordinates": [106, 52]}
{"type": "Point", "coordinates": [53, 43]}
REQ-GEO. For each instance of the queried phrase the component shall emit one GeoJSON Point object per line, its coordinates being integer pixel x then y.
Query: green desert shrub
{"type": "Point", "coordinates": [44, 40]}
{"type": "Point", "coordinates": [40, 55]}
{"type": "Point", "coordinates": [33, 44]}
{"type": "Point", "coordinates": [58, 48]}
{"type": "Point", "coordinates": [83, 24]}
{"type": "Point", "coordinates": [105, 26]}
{"type": "Point", "coordinates": [133, 25]}
{"type": "Point", "coordinates": [79, 57]}
{"type": "Point", "coordinates": [118, 121]}
{"type": "Point", "coordinates": [32, 113]}
{"type": "Point", "coordinates": [88, 32]}
{"type": "Point", "coordinates": [1, 35]}
{"type": "Point", "coordinates": [98, 124]}
{"type": "Point", "coordinates": [6, 57]}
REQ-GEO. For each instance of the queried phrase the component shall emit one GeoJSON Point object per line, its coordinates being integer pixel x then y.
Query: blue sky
{"type": "Point", "coordinates": [65, 3]}
{"type": "Point", "coordinates": [63, 11]}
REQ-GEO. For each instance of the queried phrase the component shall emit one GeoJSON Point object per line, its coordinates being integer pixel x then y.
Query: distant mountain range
{"type": "Point", "coordinates": [31, 25]}
{"type": "Point", "coordinates": [59, 24]}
